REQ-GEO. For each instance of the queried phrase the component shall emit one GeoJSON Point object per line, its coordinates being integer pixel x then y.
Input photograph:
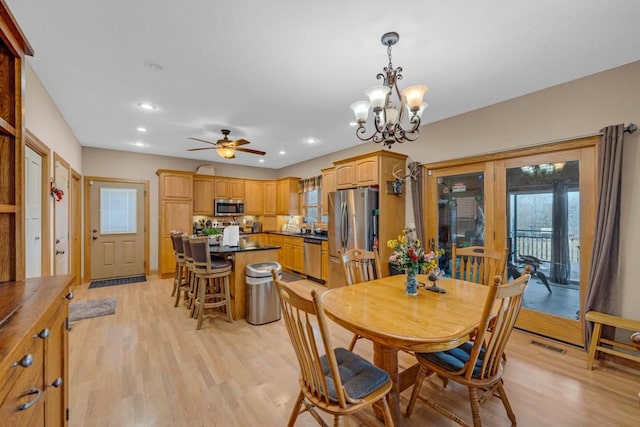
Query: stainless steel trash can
{"type": "Point", "coordinates": [263, 304]}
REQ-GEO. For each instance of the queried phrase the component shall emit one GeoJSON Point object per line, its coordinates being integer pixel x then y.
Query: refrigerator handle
{"type": "Point", "coordinates": [344, 226]}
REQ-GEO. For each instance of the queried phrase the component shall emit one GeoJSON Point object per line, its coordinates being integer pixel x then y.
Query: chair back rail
{"type": "Point", "coordinates": [359, 265]}
{"type": "Point", "coordinates": [478, 264]}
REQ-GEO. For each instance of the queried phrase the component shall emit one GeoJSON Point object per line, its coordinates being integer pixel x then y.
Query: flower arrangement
{"type": "Point", "coordinates": [56, 192]}
{"type": "Point", "coordinates": [409, 255]}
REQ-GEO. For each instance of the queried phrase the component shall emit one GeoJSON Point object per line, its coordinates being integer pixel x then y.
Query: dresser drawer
{"type": "Point", "coordinates": [23, 404]}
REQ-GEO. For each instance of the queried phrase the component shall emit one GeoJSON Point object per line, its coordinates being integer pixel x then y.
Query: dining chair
{"type": "Point", "coordinates": [191, 277]}
{"type": "Point", "coordinates": [211, 284]}
{"type": "Point", "coordinates": [359, 266]}
{"type": "Point", "coordinates": [477, 364]}
{"type": "Point", "coordinates": [478, 264]}
{"type": "Point", "coordinates": [333, 380]}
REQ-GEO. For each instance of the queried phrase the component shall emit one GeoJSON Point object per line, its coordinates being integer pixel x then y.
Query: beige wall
{"type": "Point", "coordinates": [576, 108]}
{"type": "Point", "coordinates": [120, 164]}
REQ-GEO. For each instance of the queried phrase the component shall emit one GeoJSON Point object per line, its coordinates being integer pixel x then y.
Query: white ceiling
{"type": "Point", "coordinates": [278, 72]}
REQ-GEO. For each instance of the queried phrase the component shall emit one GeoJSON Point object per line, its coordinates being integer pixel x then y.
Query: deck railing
{"type": "Point", "coordinates": [539, 243]}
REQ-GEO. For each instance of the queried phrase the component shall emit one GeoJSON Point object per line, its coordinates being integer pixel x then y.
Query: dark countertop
{"type": "Point", "coordinates": [244, 247]}
{"type": "Point", "coordinates": [306, 236]}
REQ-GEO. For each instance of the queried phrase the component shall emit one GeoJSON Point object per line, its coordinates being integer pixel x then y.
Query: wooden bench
{"type": "Point", "coordinates": [597, 341]}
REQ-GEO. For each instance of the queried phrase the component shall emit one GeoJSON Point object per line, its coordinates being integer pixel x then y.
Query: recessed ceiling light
{"type": "Point", "coordinates": [261, 160]}
{"type": "Point", "coordinates": [282, 152]}
{"type": "Point", "coordinates": [139, 144]}
{"type": "Point", "coordinates": [311, 140]}
{"type": "Point", "coordinates": [353, 124]}
{"type": "Point", "coordinates": [146, 106]}
{"type": "Point", "coordinates": [141, 129]}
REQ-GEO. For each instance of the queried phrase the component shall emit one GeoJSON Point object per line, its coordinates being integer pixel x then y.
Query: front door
{"type": "Point", "coordinates": [116, 229]}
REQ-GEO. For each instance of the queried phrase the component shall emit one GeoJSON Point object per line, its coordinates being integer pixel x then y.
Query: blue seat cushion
{"type": "Point", "coordinates": [455, 359]}
{"type": "Point", "coordinates": [359, 376]}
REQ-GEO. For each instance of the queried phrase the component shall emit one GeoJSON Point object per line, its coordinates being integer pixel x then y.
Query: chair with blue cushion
{"type": "Point", "coordinates": [477, 364]}
{"type": "Point", "coordinates": [333, 380]}
{"type": "Point", "coordinates": [478, 264]}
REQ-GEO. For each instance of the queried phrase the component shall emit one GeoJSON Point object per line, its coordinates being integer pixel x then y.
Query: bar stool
{"type": "Point", "coordinates": [190, 277]}
{"type": "Point", "coordinates": [212, 277]}
{"type": "Point", "coordinates": [180, 276]}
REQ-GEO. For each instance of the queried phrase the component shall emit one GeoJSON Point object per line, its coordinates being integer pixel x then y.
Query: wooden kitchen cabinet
{"type": "Point", "coordinates": [359, 172]}
{"type": "Point", "coordinates": [229, 188]}
{"type": "Point", "coordinates": [325, 261]}
{"type": "Point", "coordinates": [175, 209]}
{"type": "Point", "coordinates": [269, 202]}
{"type": "Point", "coordinates": [38, 330]}
{"type": "Point", "coordinates": [297, 245]}
{"type": "Point", "coordinates": [203, 195]}
{"type": "Point", "coordinates": [328, 186]}
{"type": "Point", "coordinates": [288, 199]}
{"type": "Point", "coordinates": [253, 197]}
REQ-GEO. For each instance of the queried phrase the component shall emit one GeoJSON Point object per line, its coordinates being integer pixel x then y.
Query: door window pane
{"type": "Point", "coordinates": [544, 232]}
{"type": "Point", "coordinates": [117, 210]}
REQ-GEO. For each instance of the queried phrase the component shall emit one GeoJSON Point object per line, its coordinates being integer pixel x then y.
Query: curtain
{"type": "Point", "coordinates": [415, 172]}
{"type": "Point", "coordinates": [310, 184]}
{"type": "Point", "coordinates": [604, 257]}
{"type": "Point", "coordinates": [560, 262]}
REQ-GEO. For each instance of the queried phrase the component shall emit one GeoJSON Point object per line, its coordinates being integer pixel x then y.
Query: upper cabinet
{"type": "Point", "coordinates": [13, 48]}
{"type": "Point", "coordinates": [253, 197]}
{"type": "Point", "coordinates": [229, 188]}
{"type": "Point", "coordinates": [269, 201]}
{"type": "Point", "coordinates": [288, 200]}
{"type": "Point", "coordinates": [358, 172]}
{"type": "Point", "coordinates": [328, 185]}
{"type": "Point", "coordinates": [175, 184]}
{"type": "Point", "coordinates": [203, 195]}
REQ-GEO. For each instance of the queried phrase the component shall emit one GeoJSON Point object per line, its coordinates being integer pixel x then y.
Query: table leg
{"type": "Point", "coordinates": [387, 359]}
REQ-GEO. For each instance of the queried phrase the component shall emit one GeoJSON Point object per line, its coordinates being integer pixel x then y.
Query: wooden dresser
{"type": "Point", "coordinates": [34, 351]}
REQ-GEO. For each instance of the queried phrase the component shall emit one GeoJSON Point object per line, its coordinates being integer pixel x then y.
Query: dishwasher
{"type": "Point", "coordinates": [313, 259]}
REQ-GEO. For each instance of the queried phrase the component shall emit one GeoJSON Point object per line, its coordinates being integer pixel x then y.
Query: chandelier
{"type": "Point", "coordinates": [388, 120]}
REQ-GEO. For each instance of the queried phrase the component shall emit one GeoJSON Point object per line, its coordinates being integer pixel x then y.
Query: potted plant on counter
{"type": "Point", "coordinates": [215, 235]}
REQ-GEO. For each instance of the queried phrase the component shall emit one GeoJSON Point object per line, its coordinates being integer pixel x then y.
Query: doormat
{"type": "Point", "coordinates": [94, 308]}
{"type": "Point", "coordinates": [290, 277]}
{"type": "Point", "coordinates": [119, 281]}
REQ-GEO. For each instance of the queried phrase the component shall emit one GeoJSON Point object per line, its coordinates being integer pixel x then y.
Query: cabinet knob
{"type": "Point", "coordinates": [25, 362]}
{"type": "Point", "coordinates": [69, 296]}
{"type": "Point", "coordinates": [44, 334]}
{"type": "Point", "coordinates": [56, 383]}
{"type": "Point", "coordinates": [25, 406]}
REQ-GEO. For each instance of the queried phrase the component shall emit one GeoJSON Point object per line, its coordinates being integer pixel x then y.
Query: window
{"type": "Point", "coordinates": [311, 205]}
{"type": "Point", "coordinates": [117, 210]}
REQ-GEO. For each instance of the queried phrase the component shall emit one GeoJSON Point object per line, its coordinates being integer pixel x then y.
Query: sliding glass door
{"type": "Point", "coordinates": [540, 203]}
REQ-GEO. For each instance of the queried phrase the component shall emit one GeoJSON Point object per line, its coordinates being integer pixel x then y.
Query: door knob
{"type": "Point", "coordinates": [94, 238]}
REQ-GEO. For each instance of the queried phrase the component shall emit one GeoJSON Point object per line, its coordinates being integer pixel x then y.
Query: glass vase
{"type": "Point", "coordinates": [411, 283]}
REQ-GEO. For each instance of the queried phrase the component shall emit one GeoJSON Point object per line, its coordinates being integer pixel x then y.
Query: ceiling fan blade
{"type": "Point", "coordinates": [238, 142]}
{"type": "Point", "coordinates": [248, 150]}
{"type": "Point", "coordinates": [202, 140]}
{"type": "Point", "coordinates": [198, 149]}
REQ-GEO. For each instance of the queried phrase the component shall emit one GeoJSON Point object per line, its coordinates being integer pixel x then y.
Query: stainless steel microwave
{"type": "Point", "coordinates": [223, 207]}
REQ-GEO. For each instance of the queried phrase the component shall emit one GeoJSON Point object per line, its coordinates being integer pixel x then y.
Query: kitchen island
{"type": "Point", "coordinates": [248, 252]}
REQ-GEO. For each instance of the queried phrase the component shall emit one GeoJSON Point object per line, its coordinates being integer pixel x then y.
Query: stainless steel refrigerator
{"type": "Point", "coordinates": [353, 223]}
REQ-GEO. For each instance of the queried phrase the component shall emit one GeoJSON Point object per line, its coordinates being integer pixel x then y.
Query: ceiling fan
{"type": "Point", "coordinates": [225, 147]}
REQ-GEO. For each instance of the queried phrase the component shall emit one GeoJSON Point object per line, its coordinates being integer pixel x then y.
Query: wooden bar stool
{"type": "Point", "coordinates": [212, 278]}
{"type": "Point", "coordinates": [180, 277]}
{"type": "Point", "coordinates": [191, 276]}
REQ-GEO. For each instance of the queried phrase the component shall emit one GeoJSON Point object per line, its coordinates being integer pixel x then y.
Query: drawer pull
{"type": "Point", "coordinates": [44, 334]}
{"type": "Point", "coordinates": [69, 296]}
{"type": "Point", "coordinates": [25, 362]}
{"type": "Point", "coordinates": [56, 383]}
{"type": "Point", "coordinates": [25, 406]}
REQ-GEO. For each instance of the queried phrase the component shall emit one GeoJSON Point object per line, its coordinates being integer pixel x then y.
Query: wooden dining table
{"type": "Point", "coordinates": [381, 311]}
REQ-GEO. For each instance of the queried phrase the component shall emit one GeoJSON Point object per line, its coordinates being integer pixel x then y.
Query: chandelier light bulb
{"type": "Point", "coordinates": [391, 114]}
{"type": "Point", "coordinates": [361, 110]}
{"type": "Point", "coordinates": [414, 96]}
{"type": "Point", "coordinates": [377, 96]}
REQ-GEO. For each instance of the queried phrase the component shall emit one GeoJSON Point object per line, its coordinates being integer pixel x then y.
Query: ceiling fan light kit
{"type": "Point", "coordinates": [388, 117]}
{"type": "Point", "coordinates": [227, 148]}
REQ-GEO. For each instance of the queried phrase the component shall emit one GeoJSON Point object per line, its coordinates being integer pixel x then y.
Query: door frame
{"type": "Point", "coordinates": [570, 331]}
{"type": "Point", "coordinates": [76, 227]}
{"type": "Point", "coordinates": [87, 219]}
{"type": "Point", "coordinates": [43, 150]}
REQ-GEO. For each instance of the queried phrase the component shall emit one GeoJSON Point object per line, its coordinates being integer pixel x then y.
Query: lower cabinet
{"type": "Point", "coordinates": [34, 366]}
{"type": "Point", "coordinates": [325, 261]}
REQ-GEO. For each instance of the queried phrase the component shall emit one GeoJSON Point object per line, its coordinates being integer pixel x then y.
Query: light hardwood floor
{"type": "Point", "coordinates": [148, 366]}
